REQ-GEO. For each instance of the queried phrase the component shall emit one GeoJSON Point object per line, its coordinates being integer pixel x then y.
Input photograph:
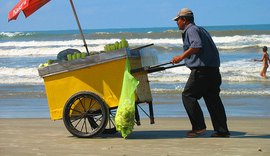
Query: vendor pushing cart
{"type": "Point", "coordinates": [85, 92]}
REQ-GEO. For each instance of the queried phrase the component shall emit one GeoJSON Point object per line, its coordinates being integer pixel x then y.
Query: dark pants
{"type": "Point", "coordinates": [205, 82]}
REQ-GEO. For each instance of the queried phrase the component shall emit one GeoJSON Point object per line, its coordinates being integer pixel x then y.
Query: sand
{"type": "Point", "coordinates": [43, 137]}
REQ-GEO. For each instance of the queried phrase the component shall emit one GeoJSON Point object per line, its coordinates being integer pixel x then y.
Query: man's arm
{"type": "Point", "coordinates": [187, 53]}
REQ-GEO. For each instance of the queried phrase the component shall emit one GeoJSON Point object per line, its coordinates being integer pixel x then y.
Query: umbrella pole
{"type": "Point", "coordinates": [79, 25]}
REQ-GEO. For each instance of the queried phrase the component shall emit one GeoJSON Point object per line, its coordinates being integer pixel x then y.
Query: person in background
{"type": "Point", "coordinates": [265, 60]}
{"type": "Point", "coordinates": [202, 58]}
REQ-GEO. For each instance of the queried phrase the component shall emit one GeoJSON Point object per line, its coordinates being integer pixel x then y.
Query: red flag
{"type": "Point", "coordinates": [27, 6]}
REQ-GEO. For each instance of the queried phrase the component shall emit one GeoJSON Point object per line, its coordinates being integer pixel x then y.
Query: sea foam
{"type": "Point", "coordinates": [40, 48]}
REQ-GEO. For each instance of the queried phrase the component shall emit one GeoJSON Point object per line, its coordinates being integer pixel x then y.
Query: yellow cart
{"type": "Point", "coordinates": [85, 92]}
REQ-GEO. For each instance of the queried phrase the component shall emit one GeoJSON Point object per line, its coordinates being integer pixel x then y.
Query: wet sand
{"type": "Point", "coordinates": [43, 137]}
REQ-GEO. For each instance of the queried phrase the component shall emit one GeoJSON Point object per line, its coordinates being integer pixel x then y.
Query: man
{"type": "Point", "coordinates": [202, 57]}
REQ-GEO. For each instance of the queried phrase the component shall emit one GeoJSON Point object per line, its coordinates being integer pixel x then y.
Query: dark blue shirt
{"type": "Point", "coordinates": [197, 37]}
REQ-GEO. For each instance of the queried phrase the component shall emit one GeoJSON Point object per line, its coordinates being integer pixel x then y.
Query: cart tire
{"type": "Point", "coordinates": [85, 115]}
{"type": "Point", "coordinates": [111, 128]}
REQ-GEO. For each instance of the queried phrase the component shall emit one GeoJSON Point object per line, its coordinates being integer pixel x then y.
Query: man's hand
{"type": "Point", "coordinates": [176, 59]}
{"type": "Point", "coordinates": [187, 53]}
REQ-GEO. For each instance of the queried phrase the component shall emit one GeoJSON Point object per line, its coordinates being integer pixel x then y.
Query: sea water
{"type": "Point", "coordinates": [243, 91]}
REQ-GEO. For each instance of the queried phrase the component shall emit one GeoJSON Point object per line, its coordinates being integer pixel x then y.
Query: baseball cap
{"type": "Point", "coordinates": [185, 12]}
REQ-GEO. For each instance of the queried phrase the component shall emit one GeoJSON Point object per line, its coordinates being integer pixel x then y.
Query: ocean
{"type": "Point", "coordinates": [243, 91]}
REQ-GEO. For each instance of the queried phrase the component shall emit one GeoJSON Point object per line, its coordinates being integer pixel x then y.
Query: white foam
{"type": "Point", "coordinates": [241, 71]}
{"type": "Point", "coordinates": [19, 76]}
{"type": "Point", "coordinates": [40, 48]}
{"type": "Point", "coordinates": [232, 71]}
{"type": "Point", "coordinates": [246, 92]}
{"type": "Point", "coordinates": [178, 74]}
{"type": "Point", "coordinates": [175, 77]}
{"type": "Point", "coordinates": [44, 51]}
{"type": "Point", "coordinates": [239, 42]}
{"type": "Point", "coordinates": [13, 34]}
{"type": "Point", "coordinates": [37, 44]}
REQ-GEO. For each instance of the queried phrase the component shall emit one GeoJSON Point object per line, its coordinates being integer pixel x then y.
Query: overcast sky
{"type": "Point", "coordinates": [100, 14]}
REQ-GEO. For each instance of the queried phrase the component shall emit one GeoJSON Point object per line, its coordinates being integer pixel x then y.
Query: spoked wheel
{"type": "Point", "coordinates": [85, 115]}
{"type": "Point", "coordinates": [110, 128]}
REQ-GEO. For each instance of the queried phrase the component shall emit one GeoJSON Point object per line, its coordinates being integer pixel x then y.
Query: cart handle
{"type": "Point", "coordinates": [162, 64]}
{"type": "Point", "coordinates": [148, 45]}
{"type": "Point", "coordinates": [156, 68]}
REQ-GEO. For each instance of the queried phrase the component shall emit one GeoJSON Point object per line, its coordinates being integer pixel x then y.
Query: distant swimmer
{"type": "Point", "coordinates": [265, 60]}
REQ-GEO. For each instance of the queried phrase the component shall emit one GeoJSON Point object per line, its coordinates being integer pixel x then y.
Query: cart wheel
{"type": "Point", "coordinates": [110, 128]}
{"type": "Point", "coordinates": [85, 115]}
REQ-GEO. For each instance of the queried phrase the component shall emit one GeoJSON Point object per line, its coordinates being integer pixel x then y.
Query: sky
{"type": "Point", "coordinates": [103, 14]}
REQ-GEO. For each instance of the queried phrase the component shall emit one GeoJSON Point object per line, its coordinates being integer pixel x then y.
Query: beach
{"type": "Point", "coordinates": [43, 137]}
{"type": "Point", "coordinates": [26, 128]}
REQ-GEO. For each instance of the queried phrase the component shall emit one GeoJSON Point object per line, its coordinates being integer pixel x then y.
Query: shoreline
{"type": "Point", "coordinates": [249, 136]}
{"type": "Point", "coordinates": [163, 106]}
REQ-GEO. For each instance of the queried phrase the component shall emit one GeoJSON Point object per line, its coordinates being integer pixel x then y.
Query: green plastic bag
{"type": "Point", "coordinates": [125, 115]}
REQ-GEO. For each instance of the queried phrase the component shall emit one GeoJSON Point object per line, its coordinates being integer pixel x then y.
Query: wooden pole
{"type": "Point", "coordinates": [79, 25]}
